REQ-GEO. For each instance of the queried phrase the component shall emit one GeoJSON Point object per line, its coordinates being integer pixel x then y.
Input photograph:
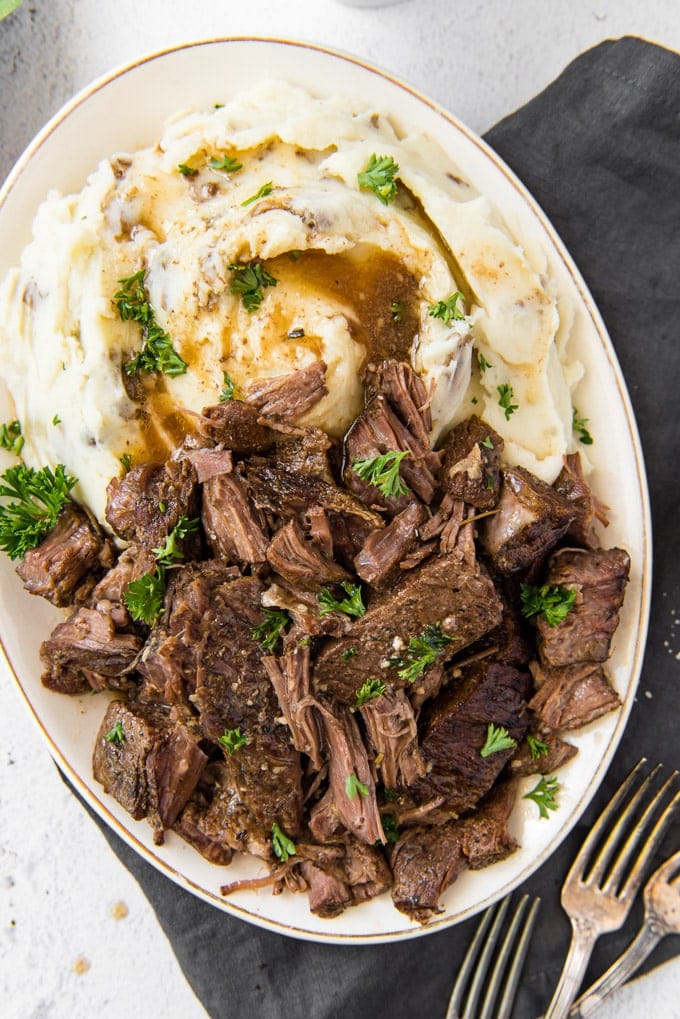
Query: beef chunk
{"type": "Point", "coordinates": [456, 731]}
{"type": "Point", "coordinates": [393, 737]}
{"type": "Point", "coordinates": [86, 652]}
{"type": "Point", "coordinates": [236, 426]}
{"type": "Point", "coordinates": [342, 874]}
{"type": "Point", "coordinates": [234, 528]}
{"type": "Point", "coordinates": [470, 469]}
{"type": "Point", "coordinates": [572, 484]}
{"type": "Point", "coordinates": [558, 753]}
{"type": "Point", "coordinates": [531, 519]}
{"type": "Point", "coordinates": [211, 847]}
{"type": "Point", "coordinates": [378, 562]}
{"type": "Point", "coordinates": [74, 549]}
{"type": "Point", "coordinates": [572, 696]}
{"type": "Point", "coordinates": [599, 578]}
{"type": "Point", "coordinates": [208, 463]}
{"type": "Point", "coordinates": [441, 592]}
{"type": "Point", "coordinates": [147, 502]}
{"type": "Point", "coordinates": [406, 394]}
{"type": "Point", "coordinates": [147, 761]}
{"type": "Point", "coordinates": [288, 397]}
{"type": "Point", "coordinates": [290, 678]}
{"type": "Point", "coordinates": [300, 562]}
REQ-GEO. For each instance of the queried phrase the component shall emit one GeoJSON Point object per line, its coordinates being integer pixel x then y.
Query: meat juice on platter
{"type": "Point", "coordinates": [312, 490]}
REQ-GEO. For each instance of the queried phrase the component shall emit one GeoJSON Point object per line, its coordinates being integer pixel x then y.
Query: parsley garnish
{"type": "Point", "coordinates": [186, 170]}
{"type": "Point", "coordinates": [170, 552]}
{"type": "Point", "coordinates": [249, 281]}
{"type": "Point", "coordinates": [354, 786]}
{"type": "Point", "coordinates": [40, 497]}
{"type": "Point", "coordinates": [144, 596]}
{"type": "Point", "coordinates": [226, 163]}
{"type": "Point", "coordinates": [505, 396]}
{"type": "Point", "coordinates": [269, 630]}
{"type": "Point", "coordinates": [232, 740]}
{"type": "Point", "coordinates": [552, 603]}
{"type": "Point", "coordinates": [448, 310]}
{"type": "Point", "coordinates": [579, 426]}
{"type": "Point", "coordinates": [157, 353]}
{"type": "Point", "coordinates": [396, 310]}
{"type": "Point", "coordinates": [423, 651]}
{"type": "Point", "coordinates": [351, 606]}
{"type": "Point", "coordinates": [229, 389]}
{"type": "Point", "coordinates": [537, 748]}
{"type": "Point", "coordinates": [543, 795]}
{"type": "Point", "coordinates": [282, 845]}
{"type": "Point", "coordinates": [378, 177]}
{"type": "Point", "coordinates": [383, 472]}
{"type": "Point", "coordinates": [126, 461]}
{"type": "Point", "coordinates": [56, 420]}
{"type": "Point", "coordinates": [369, 691]}
{"type": "Point", "coordinates": [487, 442]}
{"type": "Point", "coordinates": [497, 738]}
{"type": "Point", "coordinates": [482, 361]}
{"type": "Point", "coordinates": [265, 190]}
{"type": "Point", "coordinates": [390, 827]}
{"type": "Point", "coordinates": [116, 734]}
{"type": "Point", "coordinates": [348, 653]}
{"type": "Point", "coordinates": [11, 438]}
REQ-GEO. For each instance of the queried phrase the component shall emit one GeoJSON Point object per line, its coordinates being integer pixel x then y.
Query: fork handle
{"type": "Point", "coordinates": [582, 940]}
{"type": "Point", "coordinates": [627, 963]}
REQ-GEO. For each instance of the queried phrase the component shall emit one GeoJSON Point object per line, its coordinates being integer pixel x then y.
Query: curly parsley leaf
{"type": "Point", "coordinates": [249, 280]}
{"type": "Point", "coordinates": [232, 740]}
{"type": "Point", "coordinates": [579, 426]}
{"type": "Point", "coordinates": [39, 497]}
{"type": "Point", "coordinates": [226, 163]}
{"type": "Point", "coordinates": [11, 438]}
{"type": "Point", "coordinates": [269, 630]}
{"type": "Point", "coordinates": [482, 361]}
{"type": "Point", "coordinates": [537, 748]}
{"type": "Point", "coordinates": [354, 786]}
{"type": "Point", "coordinates": [505, 398]}
{"type": "Point", "coordinates": [116, 734]}
{"type": "Point", "coordinates": [383, 472]}
{"type": "Point", "coordinates": [379, 177]}
{"type": "Point", "coordinates": [157, 353]}
{"type": "Point", "coordinates": [170, 552]}
{"type": "Point", "coordinates": [552, 603]}
{"type": "Point", "coordinates": [370, 690]}
{"type": "Point", "coordinates": [282, 845]}
{"type": "Point", "coordinates": [422, 652]}
{"type": "Point", "coordinates": [229, 389]}
{"type": "Point", "coordinates": [186, 170]}
{"type": "Point", "coordinates": [497, 738]}
{"type": "Point", "coordinates": [543, 795]}
{"type": "Point", "coordinates": [448, 310]}
{"type": "Point", "coordinates": [265, 190]}
{"type": "Point", "coordinates": [352, 605]}
{"type": "Point", "coordinates": [144, 596]}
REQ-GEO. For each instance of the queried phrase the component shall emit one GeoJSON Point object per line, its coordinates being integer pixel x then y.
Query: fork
{"type": "Point", "coordinates": [662, 917]}
{"type": "Point", "coordinates": [597, 896]}
{"type": "Point", "coordinates": [508, 961]}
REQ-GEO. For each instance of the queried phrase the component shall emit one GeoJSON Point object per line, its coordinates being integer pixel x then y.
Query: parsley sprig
{"type": "Point", "coordinates": [157, 353]}
{"type": "Point", "coordinates": [579, 426]}
{"type": "Point", "coordinates": [354, 786]}
{"type": "Point", "coordinates": [249, 280]}
{"type": "Point", "coordinates": [116, 734]}
{"type": "Point", "coordinates": [497, 738]}
{"type": "Point", "coordinates": [370, 690]}
{"type": "Point", "coordinates": [505, 398]}
{"type": "Point", "coordinates": [282, 845]}
{"type": "Point", "coordinates": [269, 630]}
{"type": "Point", "coordinates": [422, 652]}
{"type": "Point", "coordinates": [383, 472]}
{"type": "Point", "coordinates": [171, 552]}
{"type": "Point", "coordinates": [379, 177]}
{"type": "Point", "coordinates": [448, 310]}
{"type": "Point", "coordinates": [232, 740]}
{"type": "Point", "coordinates": [352, 605]}
{"type": "Point", "coordinates": [39, 497]}
{"type": "Point", "coordinates": [11, 438]}
{"type": "Point", "coordinates": [552, 603]}
{"type": "Point", "coordinates": [537, 748]}
{"type": "Point", "coordinates": [229, 389]}
{"type": "Point", "coordinates": [144, 596]}
{"type": "Point", "coordinates": [229, 164]}
{"type": "Point", "coordinates": [543, 795]}
{"type": "Point", "coordinates": [265, 190]}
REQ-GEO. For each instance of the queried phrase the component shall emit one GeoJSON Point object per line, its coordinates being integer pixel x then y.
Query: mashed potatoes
{"type": "Point", "coordinates": [355, 281]}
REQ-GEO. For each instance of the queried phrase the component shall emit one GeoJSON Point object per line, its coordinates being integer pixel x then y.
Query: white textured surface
{"type": "Point", "coordinates": [59, 883]}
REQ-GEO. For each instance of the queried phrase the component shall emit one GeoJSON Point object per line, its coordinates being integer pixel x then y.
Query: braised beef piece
{"type": "Point", "coordinates": [342, 874]}
{"type": "Point", "coordinates": [146, 503]}
{"type": "Point", "coordinates": [572, 484]}
{"type": "Point", "coordinates": [442, 593]}
{"type": "Point", "coordinates": [288, 397]}
{"type": "Point", "coordinates": [427, 859]}
{"type": "Point", "coordinates": [134, 562]}
{"type": "Point", "coordinates": [573, 695]}
{"type": "Point", "coordinates": [599, 578]}
{"type": "Point", "coordinates": [470, 468]}
{"type": "Point", "coordinates": [378, 430]}
{"type": "Point", "coordinates": [542, 761]}
{"type": "Point", "coordinates": [351, 783]}
{"type": "Point", "coordinates": [300, 562]}
{"type": "Point", "coordinates": [74, 550]}
{"type": "Point", "coordinates": [236, 426]}
{"type": "Point", "coordinates": [167, 666]}
{"type": "Point", "coordinates": [148, 761]}
{"type": "Point", "coordinates": [455, 732]}
{"type": "Point", "coordinates": [380, 558]}
{"type": "Point", "coordinates": [290, 677]}
{"type": "Point", "coordinates": [393, 738]}
{"type": "Point", "coordinates": [208, 463]}
{"type": "Point", "coordinates": [406, 393]}
{"type": "Point", "coordinates": [212, 847]}
{"type": "Point", "coordinates": [304, 450]}
{"type": "Point", "coordinates": [531, 518]}
{"type": "Point", "coordinates": [234, 528]}
{"type": "Point", "coordinates": [85, 652]}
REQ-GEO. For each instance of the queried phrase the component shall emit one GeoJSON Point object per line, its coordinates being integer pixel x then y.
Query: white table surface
{"type": "Point", "coordinates": [65, 950]}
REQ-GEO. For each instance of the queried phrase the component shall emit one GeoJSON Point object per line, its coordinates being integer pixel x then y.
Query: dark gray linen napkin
{"type": "Point", "coordinates": [600, 151]}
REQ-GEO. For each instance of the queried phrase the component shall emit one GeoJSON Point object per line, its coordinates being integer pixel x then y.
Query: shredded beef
{"type": "Point", "coordinates": [288, 397]}
{"type": "Point", "coordinates": [470, 468]}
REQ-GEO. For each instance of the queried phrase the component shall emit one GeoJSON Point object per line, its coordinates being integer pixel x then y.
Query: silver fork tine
{"type": "Point", "coordinates": [637, 871]}
{"type": "Point", "coordinates": [513, 974]}
{"type": "Point", "coordinates": [458, 992]}
{"type": "Point", "coordinates": [596, 871]}
{"type": "Point", "coordinates": [488, 953]}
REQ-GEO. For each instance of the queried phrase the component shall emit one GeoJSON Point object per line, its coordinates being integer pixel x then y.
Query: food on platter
{"type": "Point", "coordinates": [301, 461]}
